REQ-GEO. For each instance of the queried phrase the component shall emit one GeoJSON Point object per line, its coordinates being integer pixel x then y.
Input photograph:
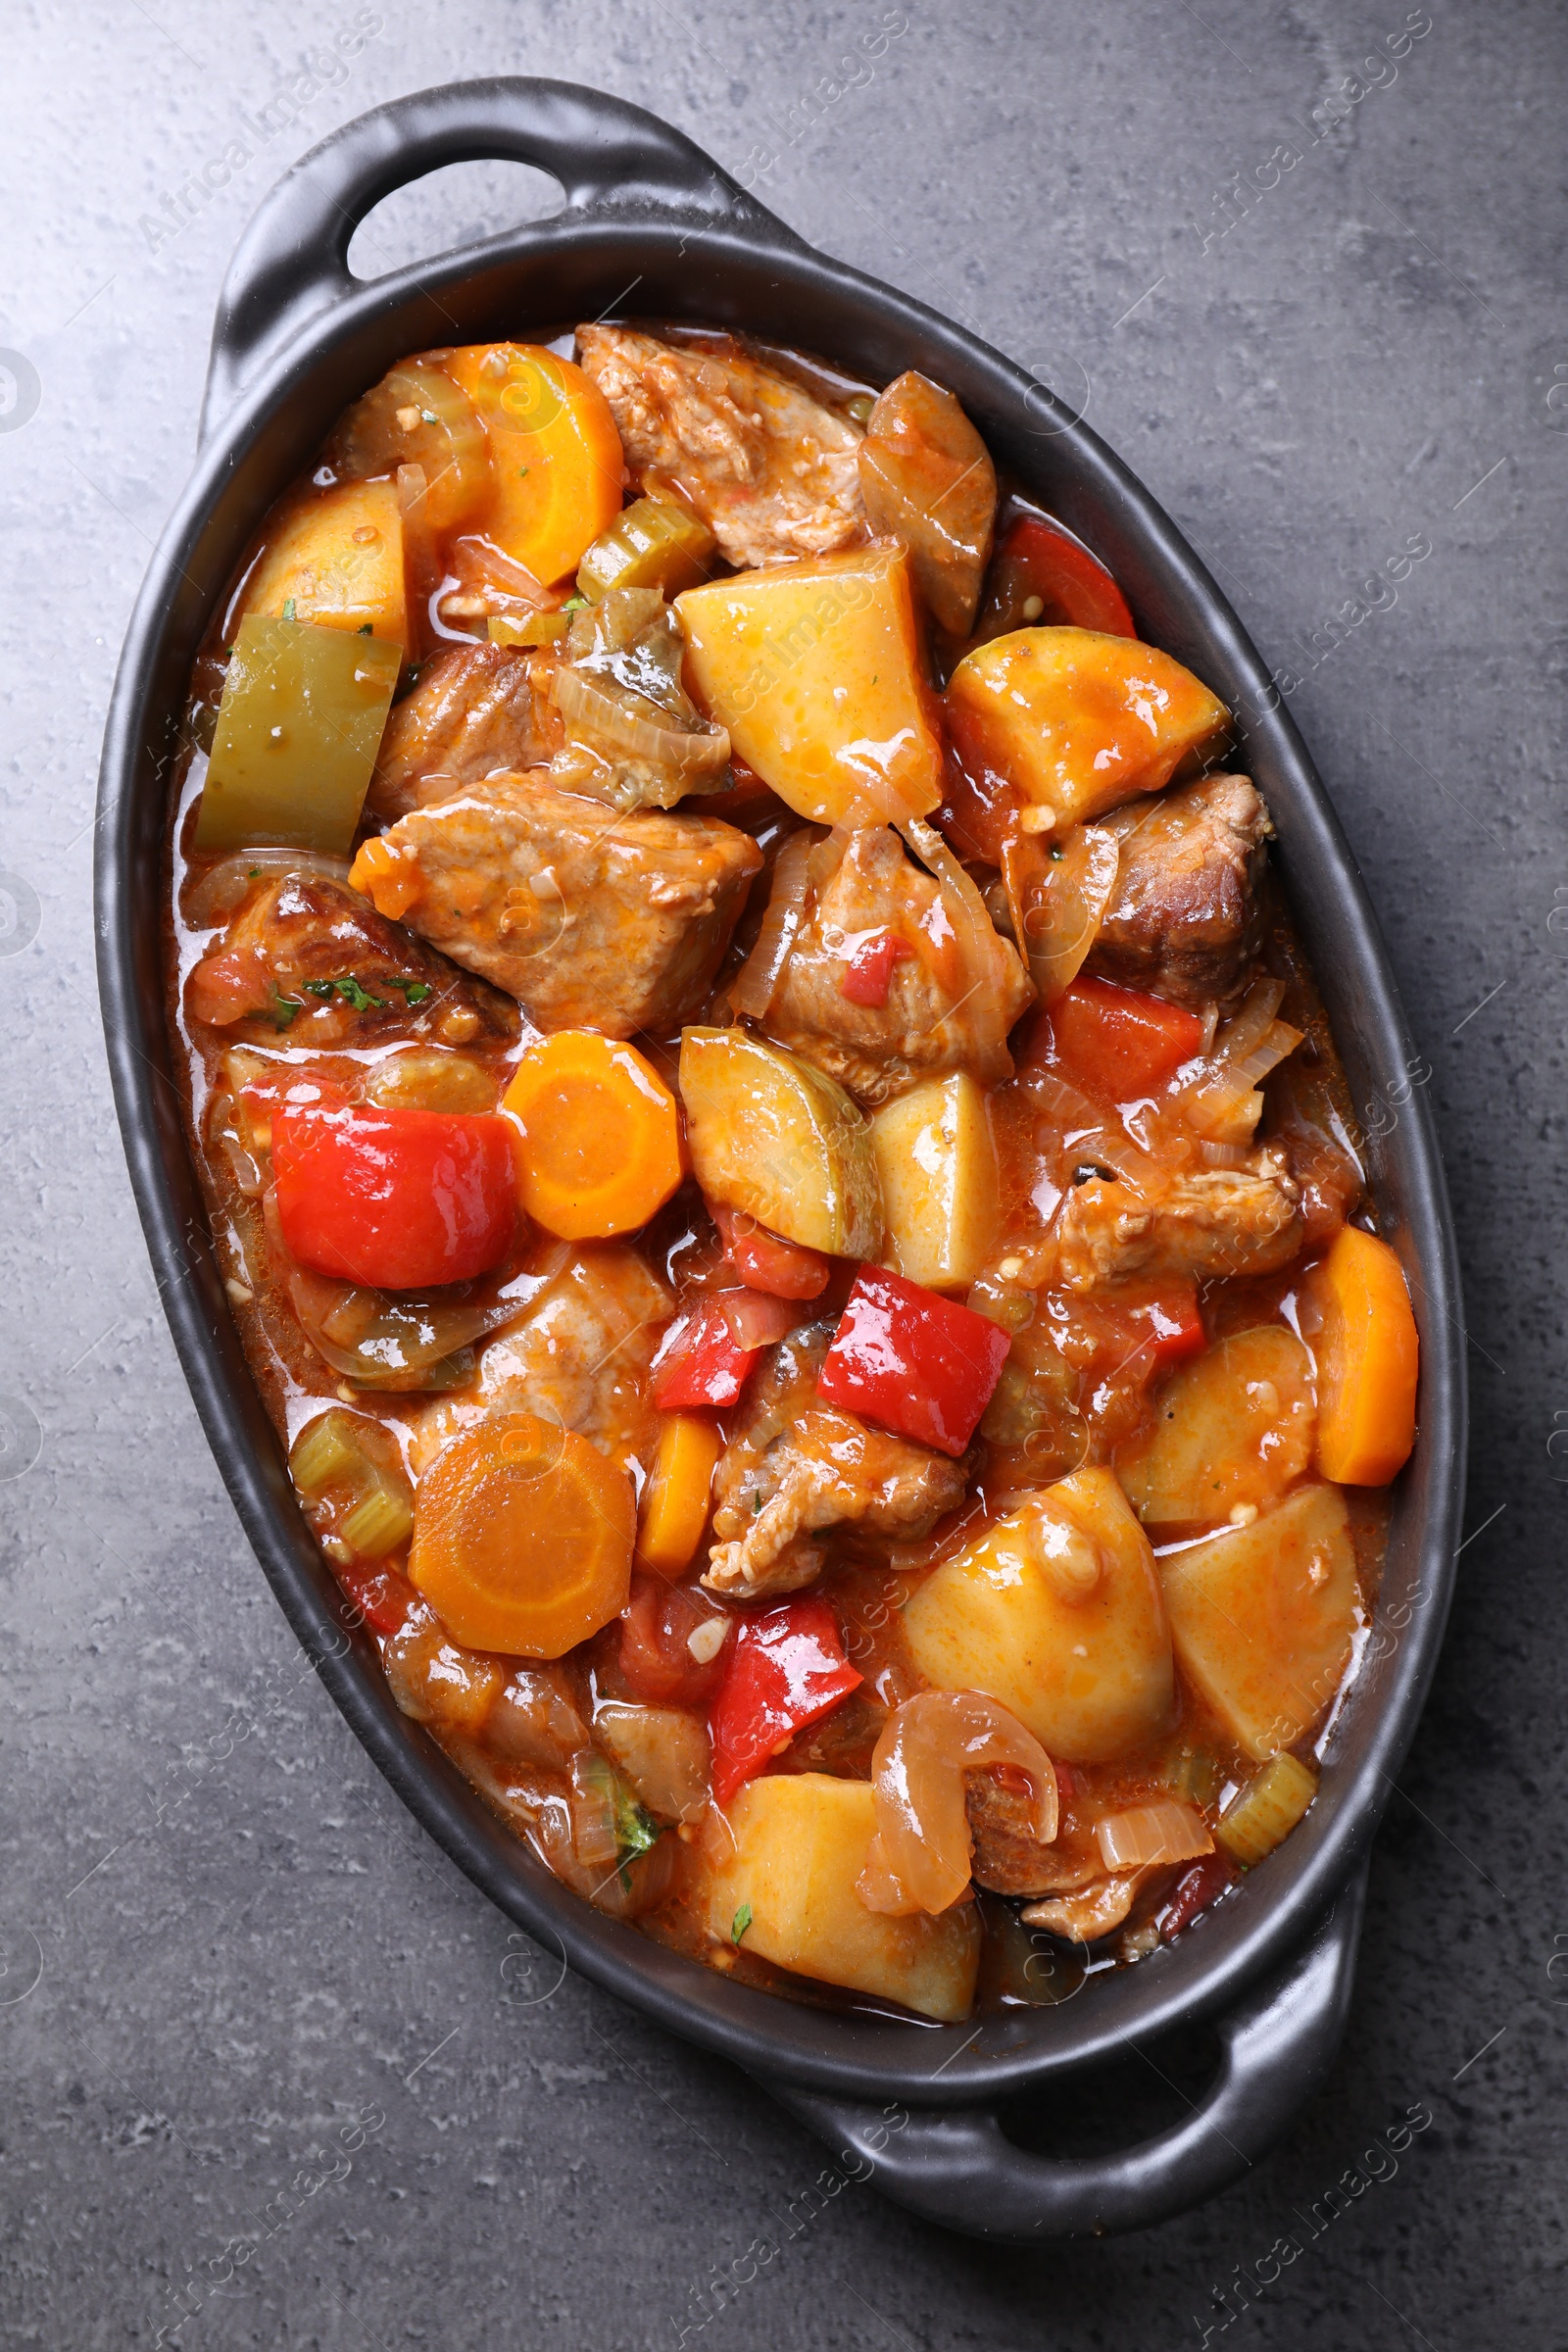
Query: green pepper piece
{"type": "Point", "coordinates": [298, 730]}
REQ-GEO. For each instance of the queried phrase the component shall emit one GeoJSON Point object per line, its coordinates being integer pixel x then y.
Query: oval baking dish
{"type": "Point", "coordinates": [297, 339]}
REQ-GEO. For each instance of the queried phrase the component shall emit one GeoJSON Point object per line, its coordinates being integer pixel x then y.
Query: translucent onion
{"type": "Point", "coordinates": [919, 1857]}
{"type": "Point", "coordinates": [1057, 903]}
{"type": "Point", "coordinates": [1164, 1832]}
{"type": "Point", "coordinates": [757, 983]}
{"type": "Point", "coordinates": [614, 718]}
{"type": "Point", "coordinates": [594, 1808]}
{"type": "Point", "coordinates": [219, 895]}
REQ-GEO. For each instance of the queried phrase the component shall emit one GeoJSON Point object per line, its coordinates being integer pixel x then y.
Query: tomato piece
{"type": "Point", "coordinates": [1174, 1324]}
{"type": "Point", "coordinates": [870, 971]}
{"type": "Point", "coordinates": [921, 1365]}
{"type": "Point", "coordinates": [785, 1669]}
{"type": "Point", "coordinates": [381, 1595]}
{"type": "Point", "coordinates": [764, 1263]}
{"type": "Point", "coordinates": [1115, 1043]}
{"type": "Point", "coordinates": [401, 1199]}
{"type": "Point", "coordinates": [1042, 577]}
{"type": "Point", "coordinates": [656, 1658]}
{"type": "Point", "coordinates": [700, 1364]}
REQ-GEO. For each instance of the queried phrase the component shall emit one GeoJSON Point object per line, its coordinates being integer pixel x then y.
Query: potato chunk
{"type": "Point", "coordinates": [1057, 1612]}
{"type": "Point", "coordinates": [801, 1842]}
{"type": "Point", "coordinates": [1234, 1429]}
{"type": "Point", "coordinates": [776, 1139]}
{"type": "Point", "coordinates": [337, 558]}
{"type": "Point", "coordinates": [1077, 721]}
{"type": "Point", "coordinates": [1263, 1618]}
{"type": "Point", "coordinates": [814, 669]}
{"type": "Point", "coordinates": [938, 1166]}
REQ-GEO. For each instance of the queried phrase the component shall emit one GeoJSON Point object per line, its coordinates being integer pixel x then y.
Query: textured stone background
{"type": "Point", "coordinates": [222, 1940]}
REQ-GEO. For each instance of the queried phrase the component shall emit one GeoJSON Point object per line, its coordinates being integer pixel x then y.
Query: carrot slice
{"type": "Point", "coordinates": [523, 1537]}
{"type": "Point", "coordinates": [1367, 1355]}
{"type": "Point", "coordinates": [386, 880]}
{"type": "Point", "coordinates": [555, 455]}
{"type": "Point", "coordinates": [676, 1496]}
{"type": "Point", "coordinates": [601, 1135]}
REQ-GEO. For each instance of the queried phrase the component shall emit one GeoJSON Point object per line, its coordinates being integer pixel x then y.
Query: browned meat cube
{"type": "Point", "coordinates": [771, 471]}
{"type": "Point", "coordinates": [1218, 1221]}
{"type": "Point", "coordinates": [475, 709]}
{"type": "Point", "coordinates": [591, 920]}
{"type": "Point", "coordinates": [1184, 919]}
{"type": "Point", "coordinates": [951, 999]}
{"type": "Point", "coordinates": [1009, 1858]}
{"type": "Point", "coordinates": [308, 954]}
{"type": "Point", "coordinates": [796, 1467]}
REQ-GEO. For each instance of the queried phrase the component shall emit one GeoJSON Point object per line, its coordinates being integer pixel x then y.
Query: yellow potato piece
{"type": "Point", "coordinates": [1055, 1611]}
{"type": "Point", "coordinates": [337, 559]}
{"type": "Point", "coordinates": [938, 1166]}
{"type": "Point", "coordinates": [769, 1135]}
{"type": "Point", "coordinates": [1264, 1618]}
{"type": "Point", "coordinates": [1232, 1431]}
{"type": "Point", "coordinates": [1079, 721]}
{"type": "Point", "coordinates": [801, 1842]}
{"type": "Point", "coordinates": [814, 669]}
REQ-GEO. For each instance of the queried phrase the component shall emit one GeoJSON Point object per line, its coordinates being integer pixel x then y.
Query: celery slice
{"type": "Point", "coordinates": [1267, 1809]}
{"type": "Point", "coordinates": [379, 1524]}
{"type": "Point", "coordinates": [298, 730]}
{"type": "Point", "coordinates": [651, 544]}
{"type": "Point", "coordinates": [324, 1450]}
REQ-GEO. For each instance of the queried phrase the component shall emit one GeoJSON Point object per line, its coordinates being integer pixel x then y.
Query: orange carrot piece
{"type": "Point", "coordinates": [1366, 1355]}
{"type": "Point", "coordinates": [601, 1135]}
{"type": "Point", "coordinates": [523, 1537]}
{"type": "Point", "coordinates": [386, 880]}
{"type": "Point", "coordinates": [675, 1498]}
{"type": "Point", "coordinates": [555, 458]}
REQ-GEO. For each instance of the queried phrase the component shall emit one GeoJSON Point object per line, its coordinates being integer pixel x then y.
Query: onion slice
{"type": "Point", "coordinates": [920, 1853]}
{"type": "Point", "coordinates": [1164, 1832]}
{"type": "Point", "coordinates": [612, 717]}
{"type": "Point", "coordinates": [757, 983]}
{"type": "Point", "coordinates": [1057, 902]}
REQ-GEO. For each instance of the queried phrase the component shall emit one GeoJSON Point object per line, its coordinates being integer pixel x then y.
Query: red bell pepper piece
{"type": "Point", "coordinates": [1117, 1043]}
{"type": "Point", "coordinates": [1039, 559]}
{"type": "Point", "coordinates": [869, 974]}
{"type": "Point", "coordinates": [922, 1366]}
{"type": "Point", "coordinates": [381, 1595]}
{"type": "Point", "coordinates": [701, 1367]}
{"type": "Point", "coordinates": [785, 1669]}
{"type": "Point", "coordinates": [763, 1262]}
{"type": "Point", "coordinates": [1174, 1324]}
{"type": "Point", "coordinates": [401, 1200]}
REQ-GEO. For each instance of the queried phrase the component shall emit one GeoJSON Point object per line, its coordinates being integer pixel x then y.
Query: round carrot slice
{"type": "Point", "coordinates": [1367, 1358]}
{"type": "Point", "coordinates": [523, 1537]}
{"type": "Point", "coordinates": [555, 459]}
{"type": "Point", "coordinates": [601, 1135]}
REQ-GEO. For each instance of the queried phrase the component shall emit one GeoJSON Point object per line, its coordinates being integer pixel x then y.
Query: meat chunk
{"type": "Point", "coordinates": [1009, 1858]}
{"type": "Point", "coordinates": [1218, 1221]}
{"type": "Point", "coordinates": [951, 999]}
{"type": "Point", "coordinates": [577, 1356]}
{"type": "Point", "coordinates": [797, 1467]}
{"type": "Point", "coordinates": [308, 954]}
{"type": "Point", "coordinates": [771, 471]}
{"type": "Point", "coordinates": [476, 708]}
{"type": "Point", "coordinates": [590, 919]}
{"type": "Point", "coordinates": [1184, 919]}
{"type": "Point", "coordinates": [1093, 1911]}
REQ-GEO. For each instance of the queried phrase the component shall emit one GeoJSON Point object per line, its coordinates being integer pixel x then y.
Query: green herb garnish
{"type": "Point", "coordinates": [575, 604]}
{"type": "Point", "coordinates": [283, 1010]}
{"type": "Point", "coordinates": [288, 607]}
{"type": "Point", "coordinates": [741, 1921]}
{"type": "Point", "coordinates": [416, 991]}
{"type": "Point", "coordinates": [364, 629]}
{"type": "Point", "coordinates": [349, 988]}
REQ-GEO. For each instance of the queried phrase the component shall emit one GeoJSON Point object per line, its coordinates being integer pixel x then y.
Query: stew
{"type": "Point", "coordinates": [780, 1167]}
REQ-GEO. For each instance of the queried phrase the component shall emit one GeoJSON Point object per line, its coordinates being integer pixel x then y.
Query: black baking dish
{"type": "Point", "coordinates": [297, 338]}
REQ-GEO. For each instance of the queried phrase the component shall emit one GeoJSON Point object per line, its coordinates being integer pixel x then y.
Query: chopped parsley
{"type": "Point", "coordinates": [522, 473]}
{"type": "Point", "coordinates": [251, 876]}
{"type": "Point", "coordinates": [636, 1829]}
{"type": "Point", "coordinates": [575, 604]}
{"type": "Point", "coordinates": [741, 1921]}
{"type": "Point", "coordinates": [366, 629]}
{"type": "Point", "coordinates": [288, 607]}
{"type": "Point", "coordinates": [349, 988]}
{"type": "Point", "coordinates": [416, 991]}
{"type": "Point", "coordinates": [283, 1010]}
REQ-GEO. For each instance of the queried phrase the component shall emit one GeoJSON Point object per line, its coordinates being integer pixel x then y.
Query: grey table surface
{"type": "Point", "coordinates": [225, 1947]}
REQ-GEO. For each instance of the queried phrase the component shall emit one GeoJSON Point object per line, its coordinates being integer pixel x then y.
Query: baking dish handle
{"type": "Point", "coordinates": [608, 155]}
{"type": "Point", "coordinates": [957, 2167]}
